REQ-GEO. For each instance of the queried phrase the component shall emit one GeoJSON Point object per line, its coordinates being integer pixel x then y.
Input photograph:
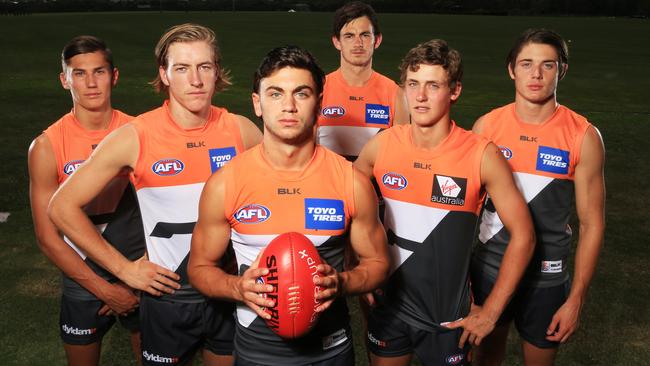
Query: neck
{"type": "Point", "coordinates": [430, 136]}
{"type": "Point", "coordinates": [356, 75]}
{"type": "Point", "coordinates": [186, 118]}
{"type": "Point", "coordinates": [93, 120]}
{"type": "Point", "coordinates": [535, 113]}
{"type": "Point", "coordinates": [287, 157]}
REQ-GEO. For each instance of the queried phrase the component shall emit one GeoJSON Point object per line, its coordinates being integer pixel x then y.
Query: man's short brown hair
{"type": "Point", "coordinates": [433, 52]}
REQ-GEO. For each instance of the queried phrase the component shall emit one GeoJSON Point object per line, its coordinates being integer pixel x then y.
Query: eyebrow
{"type": "Point", "coordinates": [297, 89]}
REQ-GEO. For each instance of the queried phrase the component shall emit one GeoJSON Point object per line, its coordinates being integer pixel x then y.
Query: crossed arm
{"type": "Point", "coordinates": [43, 182]}
{"type": "Point", "coordinates": [116, 152]}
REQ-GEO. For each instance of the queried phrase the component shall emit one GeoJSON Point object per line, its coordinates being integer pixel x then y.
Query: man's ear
{"type": "Point", "coordinates": [511, 72]}
{"type": "Point", "coordinates": [257, 106]}
{"type": "Point", "coordinates": [336, 42]}
{"type": "Point", "coordinates": [378, 39]}
{"type": "Point", "coordinates": [116, 75]}
{"type": "Point", "coordinates": [64, 81]}
{"type": "Point", "coordinates": [162, 72]}
{"type": "Point", "coordinates": [455, 92]}
{"type": "Point", "coordinates": [563, 70]}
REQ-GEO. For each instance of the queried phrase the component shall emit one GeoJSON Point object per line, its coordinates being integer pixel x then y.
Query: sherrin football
{"type": "Point", "coordinates": [291, 259]}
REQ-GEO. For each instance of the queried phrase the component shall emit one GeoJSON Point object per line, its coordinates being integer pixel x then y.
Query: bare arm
{"type": "Point", "coordinates": [117, 151]}
{"type": "Point", "coordinates": [590, 207]}
{"type": "Point", "coordinates": [209, 243]}
{"type": "Point", "coordinates": [513, 212]}
{"type": "Point", "coordinates": [43, 182]}
{"type": "Point", "coordinates": [368, 240]}
{"type": "Point", "coordinates": [250, 133]}
{"type": "Point", "coordinates": [402, 116]}
{"type": "Point", "coordinates": [365, 162]}
{"type": "Point", "coordinates": [478, 126]}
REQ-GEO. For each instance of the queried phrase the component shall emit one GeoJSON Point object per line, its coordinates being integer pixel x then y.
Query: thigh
{"type": "Point", "coordinates": [79, 323]}
{"type": "Point", "coordinates": [440, 347]}
{"type": "Point", "coordinates": [535, 311]}
{"type": "Point", "coordinates": [387, 335]}
{"type": "Point", "coordinates": [219, 327]}
{"type": "Point", "coordinates": [171, 331]}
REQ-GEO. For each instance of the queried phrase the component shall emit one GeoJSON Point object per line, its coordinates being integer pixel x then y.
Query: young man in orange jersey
{"type": "Point", "coordinates": [433, 176]}
{"type": "Point", "coordinates": [357, 101]}
{"type": "Point", "coordinates": [275, 188]}
{"type": "Point", "coordinates": [556, 156]}
{"type": "Point", "coordinates": [170, 153]}
{"type": "Point", "coordinates": [90, 295]}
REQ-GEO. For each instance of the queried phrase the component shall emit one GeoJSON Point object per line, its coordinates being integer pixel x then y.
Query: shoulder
{"type": "Point", "coordinates": [488, 119]}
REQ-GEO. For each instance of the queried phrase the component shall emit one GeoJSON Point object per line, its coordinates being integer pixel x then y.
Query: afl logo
{"type": "Point", "coordinates": [252, 214]}
{"type": "Point", "coordinates": [333, 112]}
{"type": "Point", "coordinates": [168, 167]}
{"type": "Point", "coordinates": [394, 181]}
{"type": "Point", "coordinates": [71, 166]}
{"type": "Point", "coordinates": [455, 359]}
{"type": "Point", "coordinates": [507, 153]}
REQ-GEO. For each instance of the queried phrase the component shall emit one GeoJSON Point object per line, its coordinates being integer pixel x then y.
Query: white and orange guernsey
{"type": "Point", "coordinates": [433, 199]}
{"type": "Point", "coordinates": [262, 203]}
{"type": "Point", "coordinates": [543, 159]}
{"type": "Point", "coordinates": [351, 116]}
{"type": "Point", "coordinates": [114, 211]}
{"type": "Point", "coordinates": [172, 168]}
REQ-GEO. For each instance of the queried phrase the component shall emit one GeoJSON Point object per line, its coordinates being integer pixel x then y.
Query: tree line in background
{"type": "Point", "coordinates": [636, 8]}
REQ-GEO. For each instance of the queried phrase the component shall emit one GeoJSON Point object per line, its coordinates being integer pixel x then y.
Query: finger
{"type": "Point", "coordinates": [552, 328]}
{"type": "Point", "coordinates": [369, 299]}
{"type": "Point", "coordinates": [566, 337]}
{"type": "Point", "coordinates": [258, 310]}
{"type": "Point", "coordinates": [324, 306]}
{"type": "Point", "coordinates": [463, 339]}
{"type": "Point", "coordinates": [453, 325]}
{"type": "Point", "coordinates": [169, 274]}
{"type": "Point", "coordinates": [103, 310]}
{"type": "Point", "coordinates": [257, 288]}
{"type": "Point", "coordinates": [256, 262]}
{"type": "Point", "coordinates": [152, 291]}
{"type": "Point", "coordinates": [326, 294]}
{"type": "Point", "coordinates": [325, 269]}
{"type": "Point", "coordinates": [255, 273]}
{"type": "Point", "coordinates": [167, 283]}
{"type": "Point", "coordinates": [325, 281]}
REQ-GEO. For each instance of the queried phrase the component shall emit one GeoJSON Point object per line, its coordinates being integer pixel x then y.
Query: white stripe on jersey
{"type": "Point", "coordinates": [411, 221]}
{"type": "Point", "coordinates": [529, 185]}
{"type": "Point", "coordinates": [345, 140]}
{"type": "Point", "coordinates": [173, 205]}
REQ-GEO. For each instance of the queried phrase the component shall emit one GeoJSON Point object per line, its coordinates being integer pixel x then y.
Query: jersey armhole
{"type": "Point", "coordinates": [139, 168]}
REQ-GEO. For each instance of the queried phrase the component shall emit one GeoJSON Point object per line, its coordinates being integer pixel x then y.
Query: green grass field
{"type": "Point", "coordinates": [607, 82]}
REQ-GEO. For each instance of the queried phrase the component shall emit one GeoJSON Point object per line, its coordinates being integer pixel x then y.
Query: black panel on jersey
{"type": "Point", "coordinates": [123, 230]}
{"type": "Point", "coordinates": [550, 211]}
{"type": "Point", "coordinates": [431, 286]}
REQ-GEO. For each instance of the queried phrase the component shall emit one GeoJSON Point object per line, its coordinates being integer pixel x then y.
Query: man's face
{"type": "Point", "coordinates": [428, 94]}
{"type": "Point", "coordinates": [536, 72]}
{"type": "Point", "coordinates": [190, 75]}
{"type": "Point", "coordinates": [357, 42]}
{"type": "Point", "coordinates": [288, 104]}
{"type": "Point", "coordinates": [90, 79]}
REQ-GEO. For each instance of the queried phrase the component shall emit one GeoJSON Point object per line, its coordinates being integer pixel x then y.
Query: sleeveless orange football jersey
{"type": "Point", "coordinates": [173, 165]}
{"type": "Point", "coordinates": [261, 203]}
{"type": "Point", "coordinates": [433, 199]}
{"type": "Point", "coordinates": [543, 159]}
{"type": "Point", "coordinates": [351, 116]}
{"type": "Point", "coordinates": [114, 211]}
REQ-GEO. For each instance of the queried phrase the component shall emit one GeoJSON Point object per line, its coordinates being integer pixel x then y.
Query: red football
{"type": "Point", "coordinates": [291, 259]}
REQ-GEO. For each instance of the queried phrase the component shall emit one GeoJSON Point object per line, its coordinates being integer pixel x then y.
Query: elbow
{"type": "Point", "coordinates": [54, 210]}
